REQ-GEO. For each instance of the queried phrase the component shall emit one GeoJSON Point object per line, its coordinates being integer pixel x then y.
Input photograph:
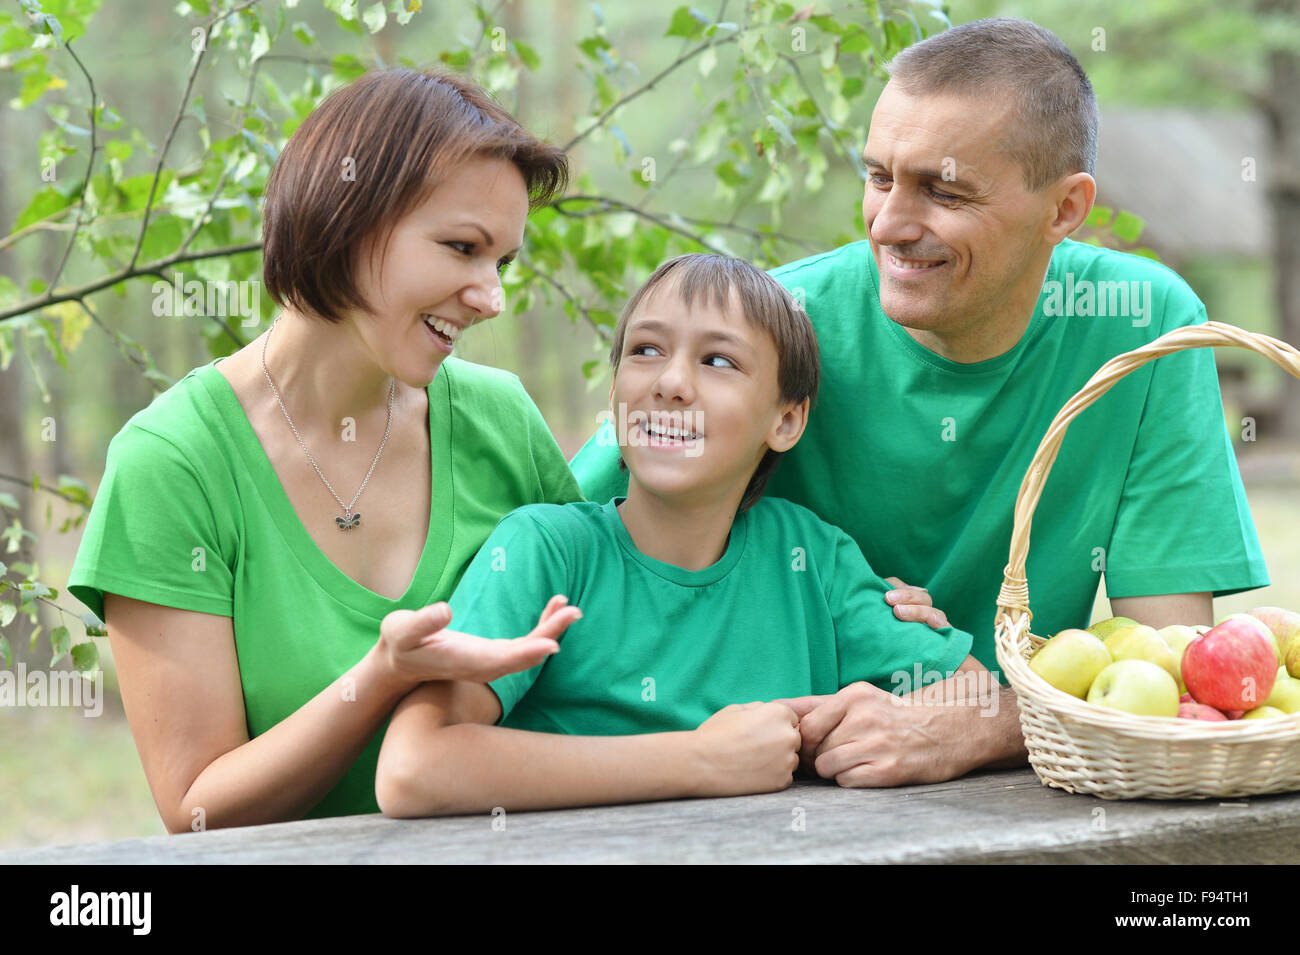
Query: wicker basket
{"type": "Point", "coordinates": [1080, 747]}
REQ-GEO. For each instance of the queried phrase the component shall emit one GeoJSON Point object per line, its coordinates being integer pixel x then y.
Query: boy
{"type": "Point", "coordinates": [696, 592]}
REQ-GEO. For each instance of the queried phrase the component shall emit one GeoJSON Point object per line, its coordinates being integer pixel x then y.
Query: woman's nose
{"type": "Point", "coordinates": [486, 296]}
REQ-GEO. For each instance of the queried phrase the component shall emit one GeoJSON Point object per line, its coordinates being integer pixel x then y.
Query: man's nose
{"type": "Point", "coordinates": [892, 217]}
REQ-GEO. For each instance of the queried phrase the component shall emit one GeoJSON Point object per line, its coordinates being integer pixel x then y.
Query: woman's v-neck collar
{"type": "Point", "coordinates": [437, 543]}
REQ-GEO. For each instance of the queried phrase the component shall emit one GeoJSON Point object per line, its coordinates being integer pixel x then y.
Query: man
{"type": "Point", "coordinates": [950, 338]}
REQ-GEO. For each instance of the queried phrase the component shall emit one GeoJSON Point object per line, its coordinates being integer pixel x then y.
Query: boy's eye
{"type": "Point", "coordinates": [729, 362]}
{"type": "Point", "coordinates": [641, 349]}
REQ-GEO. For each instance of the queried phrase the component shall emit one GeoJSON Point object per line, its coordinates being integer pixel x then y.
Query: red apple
{"type": "Point", "coordinates": [1186, 698]}
{"type": "Point", "coordinates": [1232, 667]}
{"type": "Point", "coordinates": [1199, 711]}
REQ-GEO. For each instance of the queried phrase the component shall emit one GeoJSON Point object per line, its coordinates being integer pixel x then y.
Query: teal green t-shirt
{"type": "Point", "coordinates": [790, 609]}
{"type": "Point", "coordinates": [920, 458]}
{"type": "Point", "coordinates": [190, 514]}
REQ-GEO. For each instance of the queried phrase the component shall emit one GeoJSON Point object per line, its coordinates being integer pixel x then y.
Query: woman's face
{"type": "Point", "coordinates": [443, 268]}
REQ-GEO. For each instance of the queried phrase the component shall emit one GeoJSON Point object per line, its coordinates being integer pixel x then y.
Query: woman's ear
{"type": "Point", "coordinates": [789, 427]}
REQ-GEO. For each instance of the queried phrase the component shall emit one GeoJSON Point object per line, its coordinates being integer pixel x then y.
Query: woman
{"type": "Point", "coordinates": [262, 631]}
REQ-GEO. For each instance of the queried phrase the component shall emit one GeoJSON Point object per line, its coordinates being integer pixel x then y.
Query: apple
{"type": "Point", "coordinates": [1199, 711]}
{"type": "Point", "coordinates": [1263, 628]}
{"type": "Point", "coordinates": [1284, 625]}
{"type": "Point", "coordinates": [1263, 713]}
{"type": "Point", "coordinates": [1103, 628]}
{"type": "Point", "coordinates": [1136, 686]}
{"type": "Point", "coordinates": [1292, 660]}
{"type": "Point", "coordinates": [1070, 661]}
{"type": "Point", "coordinates": [1286, 693]}
{"type": "Point", "coordinates": [1140, 642]}
{"type": "Point", "coordinates": [1178, 637]}
{"type": "Point", "coordinates": [1186, 698]}
{"type": "Point", "coordinates": [1232, 667]}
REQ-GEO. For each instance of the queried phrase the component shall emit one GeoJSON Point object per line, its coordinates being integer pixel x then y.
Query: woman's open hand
{"type": "Point", "coordinates": [417, 645]}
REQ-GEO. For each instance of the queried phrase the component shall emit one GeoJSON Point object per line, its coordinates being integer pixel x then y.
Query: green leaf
{"type": "Point", "coordinates": [304, 34]}
{"type": "Point", "coordinates": [375, 17]}
{"type": "Point", "coordinates": [61, 642]}
{"type": "Point", "coordinates": [4, 648]}
{"type": "Point", "coordinates": [686, 22]}
{"type": "Point", "coordinates": [85, 656]}
{"type": "Point", "coordinates": [46, 201]}
{"type": "Point", "coordinates": [1127, 226]}
{"type": "Point", "coordinates": [1099, 216]}
{"type": "Point", "coordinates": [7, 613]}
{"type": "Point", "coordinates": [7, 500]}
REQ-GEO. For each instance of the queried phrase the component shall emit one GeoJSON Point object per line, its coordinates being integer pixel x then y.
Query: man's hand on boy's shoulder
{"type": "Point", "coordinates": [914, 603]}
{"type": "Point", "coordinates": [863, 736]}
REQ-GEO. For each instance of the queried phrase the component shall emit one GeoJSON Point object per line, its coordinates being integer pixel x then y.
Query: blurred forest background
{"type": "Point", "coordinates": [749, 131]}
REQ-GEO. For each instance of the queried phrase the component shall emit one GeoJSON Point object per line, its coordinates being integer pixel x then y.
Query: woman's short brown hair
{"type": "Point", "coordinates": [765, 304]}
{"type": "Point", "coordinates": [368, 154]}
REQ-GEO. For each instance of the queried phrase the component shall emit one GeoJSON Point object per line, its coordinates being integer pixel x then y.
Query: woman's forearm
{"type": "Point", "coordinates": [471, 767]}
{"type": "Point", "coordinates": [281, 774]}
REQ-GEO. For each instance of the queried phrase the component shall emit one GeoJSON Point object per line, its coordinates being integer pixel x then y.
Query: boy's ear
{"type": "Point", "coordinates": [789, 427]}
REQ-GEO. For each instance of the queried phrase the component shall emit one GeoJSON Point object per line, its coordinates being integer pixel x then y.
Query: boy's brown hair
{"type": "Point", "coordinates": [366, 156]}
{"type": "Point", "coordinates": [765, 304]}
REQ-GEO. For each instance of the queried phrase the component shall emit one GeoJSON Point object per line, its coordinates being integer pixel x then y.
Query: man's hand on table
{"type": "Point", "coordinates": [863, 736]}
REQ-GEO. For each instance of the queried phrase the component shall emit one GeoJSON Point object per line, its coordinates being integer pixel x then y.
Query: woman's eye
{"type": "Point", "coordinates": [503, 265]}
{"type": "Point", "coordinates": [729, 362]}
{"type": "Point", "coordinates": [464, 248]}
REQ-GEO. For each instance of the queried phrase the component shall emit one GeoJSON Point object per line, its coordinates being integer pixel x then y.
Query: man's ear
{"type": "Point", "coordinates": [789, 427]}
{"type": "Point", "coordinates": [1072, 199]}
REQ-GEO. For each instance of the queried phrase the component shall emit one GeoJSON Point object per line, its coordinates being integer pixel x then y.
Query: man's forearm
{"type": "Point", "coordinates": [471, 767]}
{"type": "Point", "coordinates": [1005, 745]}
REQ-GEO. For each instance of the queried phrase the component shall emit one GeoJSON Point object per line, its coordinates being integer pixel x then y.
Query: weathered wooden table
{"type": "Point", "coordinates": [990, 817]}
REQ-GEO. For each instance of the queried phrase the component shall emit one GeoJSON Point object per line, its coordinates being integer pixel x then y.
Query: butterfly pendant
{"type": "Point", "coordinates": [347, 523]}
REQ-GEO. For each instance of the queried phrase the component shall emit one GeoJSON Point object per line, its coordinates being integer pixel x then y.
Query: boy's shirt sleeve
{"type": "Point", "coordinates": [871, 643]}
{"type": "Point", "coordinates": [1183, 524]}
{"type": "Point", "coordinates": [596, 466]}
{"type": "Point", "coordinates": [505, 588]}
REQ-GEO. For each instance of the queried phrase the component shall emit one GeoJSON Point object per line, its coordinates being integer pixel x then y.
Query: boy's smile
{"type": "Point", "coordinates": [696, 383]}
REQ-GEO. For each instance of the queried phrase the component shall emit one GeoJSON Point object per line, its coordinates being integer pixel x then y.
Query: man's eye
{"type": "Point", "coordinates": [944, 196]}
{"type": "Point", "coordinates": [880, 180]}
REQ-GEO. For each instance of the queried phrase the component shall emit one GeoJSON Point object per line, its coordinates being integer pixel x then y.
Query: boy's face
{"type": "Point", "coordinates": [698, 390]}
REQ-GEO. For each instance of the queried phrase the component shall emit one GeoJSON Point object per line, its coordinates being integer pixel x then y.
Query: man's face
{"type": "Point", "coordinates": [958, 239]}
{"type": "Point", "coordinates": [701, 396]}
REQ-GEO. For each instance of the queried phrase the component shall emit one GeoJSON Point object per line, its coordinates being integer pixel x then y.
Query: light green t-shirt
{"type": "Point", "coordinates": [920, 458]}
{"type": "Point", "coordinates": [190, 514]}
{"type": "Point", "coordinates": [790, 609]}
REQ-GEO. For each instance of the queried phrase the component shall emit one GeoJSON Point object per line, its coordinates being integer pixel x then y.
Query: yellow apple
{"type": "Point", "coordinates": [1140, 642]}
{"type": "Point", "coordinates": [1263, 628]}
{"type": "Point", "coordinates": [1178, 636]}
{"type": "Point", "coordinates": [1136, 686]}
{"type": "Point", "coordinates": [1286, 693]}
{"type": "Point", "coordinates": [1104, 628]}
{"type": "Point", "coordinates": [1262, 713]}
{"type": "Point", "coordinates": [1070, 661]}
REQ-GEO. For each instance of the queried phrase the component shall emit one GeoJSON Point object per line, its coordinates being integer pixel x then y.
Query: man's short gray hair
{"type": "Point", "coordinates": [1056, 109]}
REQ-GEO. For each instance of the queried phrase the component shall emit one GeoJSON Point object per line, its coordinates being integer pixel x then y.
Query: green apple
{"type": "Point", "coordinates": [1262, 627]}
{"type": "Point", "coordinates": [1286, 693]}
{"type": "Point", "coordinates": [1262, 713]}
{"type": "Point", "coordinates": [1178, 636]}
{"type": "Point", "coordinates": [1104, 628]}
{"type": "Point", "coordinates": [1136, 686]}
{"type": "Point", "coordinates": [1140, 642]}
{"type": "Point", "coordinates": [1070, 661]}
{"type": "Point", "coordinates": [1293, 659]}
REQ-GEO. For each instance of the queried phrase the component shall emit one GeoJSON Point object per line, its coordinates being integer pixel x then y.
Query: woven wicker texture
{"type": "Point", "coordinates": [1081, 747]}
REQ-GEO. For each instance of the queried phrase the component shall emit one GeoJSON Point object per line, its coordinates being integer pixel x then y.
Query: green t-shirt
{"type": "Point", "coordinates": [190, 514]}
{"type": "Point", "coordinates": [920, 458]}
{"type": "Point", "coordinates": [790, 609]}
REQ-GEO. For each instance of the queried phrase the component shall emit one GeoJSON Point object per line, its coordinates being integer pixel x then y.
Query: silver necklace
{"type": "Point", "coordinates": [349, 520]}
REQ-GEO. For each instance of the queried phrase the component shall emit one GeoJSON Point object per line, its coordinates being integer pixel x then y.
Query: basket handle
{"type": "Point", "coordinates": [1013, 598]}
